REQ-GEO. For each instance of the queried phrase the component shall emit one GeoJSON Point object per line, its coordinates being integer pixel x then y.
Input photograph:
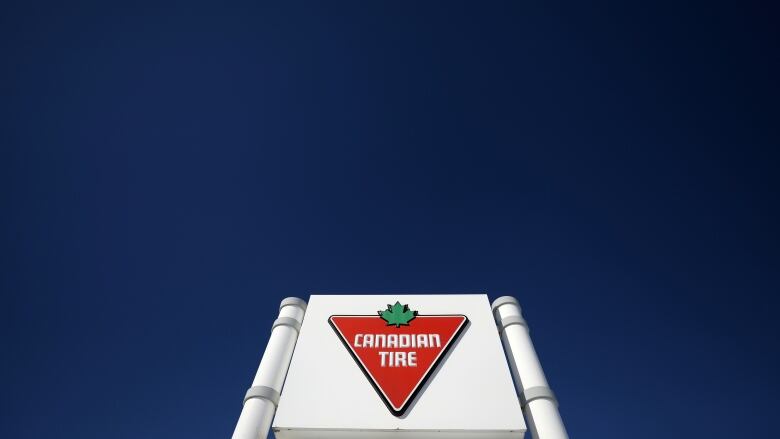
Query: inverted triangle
{"type": "Point", "coordinates": [398, 360]}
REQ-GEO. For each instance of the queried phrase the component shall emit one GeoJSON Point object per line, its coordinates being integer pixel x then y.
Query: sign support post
{"type": "Point", "coordinates": [262, 398]}
{"type": "Point", "coordinates": [538, 402]}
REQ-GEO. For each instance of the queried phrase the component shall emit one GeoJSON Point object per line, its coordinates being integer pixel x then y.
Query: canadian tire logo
{"type": "Point", "coordinates": [398, 350]}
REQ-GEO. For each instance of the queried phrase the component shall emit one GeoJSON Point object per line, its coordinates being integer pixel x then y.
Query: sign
{"type": "Point", "coordinates": [398, 349]}
{"type": "Point", "coordinates": [445, 374]}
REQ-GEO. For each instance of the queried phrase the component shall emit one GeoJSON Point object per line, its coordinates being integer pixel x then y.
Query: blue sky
{"type": "Point", "coordinates": [171, 171]}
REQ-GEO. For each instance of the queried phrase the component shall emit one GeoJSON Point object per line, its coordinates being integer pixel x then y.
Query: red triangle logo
{"type": "Point", "coordinates": [398, 358]}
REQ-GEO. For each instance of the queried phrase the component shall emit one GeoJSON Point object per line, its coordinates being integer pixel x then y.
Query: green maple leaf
{"type": "Point", "coordinates": [398, 315]}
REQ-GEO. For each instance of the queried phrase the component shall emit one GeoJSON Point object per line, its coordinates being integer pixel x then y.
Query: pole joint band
{"type": "Point", "coordinates": [262, 392]}
{"type": "Point", "coordinates": [503, 300]}
{"type": "Point", "coordinates": [511, 320]}
{"type": "Point", "coordinates": [539, 392]}
{"type": "Point", "coordinates": [293, 301]}
{"type": "Point", "coordinates": [287, 321]}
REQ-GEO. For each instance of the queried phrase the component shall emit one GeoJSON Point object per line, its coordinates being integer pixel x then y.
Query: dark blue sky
{"type": "Point", "coordinates": [171, 172]}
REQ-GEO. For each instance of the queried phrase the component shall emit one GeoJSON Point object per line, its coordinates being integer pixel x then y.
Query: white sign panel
{"type": "Point", "coordinates": [398, 366]}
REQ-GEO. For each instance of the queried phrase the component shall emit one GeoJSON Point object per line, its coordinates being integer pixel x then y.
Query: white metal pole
{"type": "Point", "coordinates": [538, 401]}
{"type": "Point", "coordinates": [262, 398]}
